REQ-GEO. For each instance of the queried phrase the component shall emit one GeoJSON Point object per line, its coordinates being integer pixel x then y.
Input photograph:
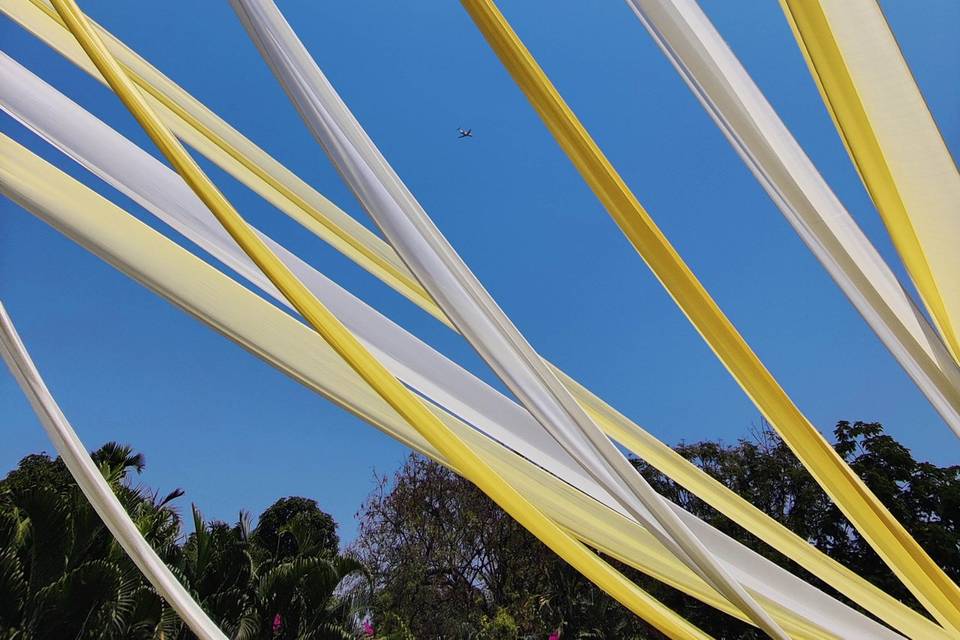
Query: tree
{"type": "Point", "coordinates": [925, 498]}
{"type": "Point", "coordinates": [61, 572]}
{"type": "Point", "coordinates": [316, 528]}
{"type": "Point", "coordinates": [446, 561]}
{"type": "Point", "coordinates": [62, 575]}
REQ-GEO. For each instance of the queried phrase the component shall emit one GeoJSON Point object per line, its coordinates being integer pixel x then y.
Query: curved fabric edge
{"type": "Point", "coordinates": [617, 425]}
{"type": "Point", "coordinates": [925, 579]}
{"type": "Point", "coordinates": [461, 296]}
{"type": "Point", "coordinates": [94, 487]}
{"type": "Point", "coordinates": [295, 350]}
{"type": "Point", "coordinates": [160, 191]}
{"type": "Point", "coordinates": [893, 141]}
{"type": "Point", "coordinates": [731, 98]}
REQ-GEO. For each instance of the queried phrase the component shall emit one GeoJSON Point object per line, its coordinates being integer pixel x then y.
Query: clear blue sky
{"type": "Point", "coordinates": [234, 433]}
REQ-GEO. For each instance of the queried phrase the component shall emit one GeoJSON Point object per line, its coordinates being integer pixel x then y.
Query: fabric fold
{"type": "Point", "coordinates": [908, 560]}
{"type": "Point", "coordinates": [729, 95]}
{"type": "Point", "coordinates": [94, 487]}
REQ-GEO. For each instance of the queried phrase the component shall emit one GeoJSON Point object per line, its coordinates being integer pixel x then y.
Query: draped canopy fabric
{"type": "Point", "coordinates": [210, 135]}
{"type": "Point", "coordinates": [95, 487]}
{"type": "Point", "coordinates": [291, 347]}
{"type": "Point", "coordinates": [733, 100]}
{"type": "Point", "coordinates": [925, 579]}
{"type": "Point", "coordinates": [461, 296]}
{"type": "Point", "coordinates": [413, 409]}
{"type": "Point", "coordinates": [893, 141]}
{"type": "Point", "coordinates": [657, 453]}
{"type": "Point", "coordinates": [801, 610]}
{"type": "Point", "coordinates": [160, 191]}
{"type": "Point", "coordinates": [207, 133]}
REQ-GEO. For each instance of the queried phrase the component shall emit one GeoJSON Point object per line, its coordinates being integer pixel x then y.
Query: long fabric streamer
{"type": "Point", "coordinates": [204, 131]}
{"type": "Point", "coordinates": [294, 349]}
{"type": "Point", "coordinates": [94, 487]}
{"type": "Point", "coordinates": [461, 296]}
{"type": "Point", "coordinates": [893, 141]}
{"type": "Point", "coordinates": [356, 355]}
{"type": "Point", "coordinates": [733, 100]}
{"type": "Point", "coordinates": [208, 134]}
{"type": "Point", "coordinates": [151, 184]}
{"type": "Point", "coordinates": [890, 540]}
{"type": "Point", "coordinates": [230, 150]}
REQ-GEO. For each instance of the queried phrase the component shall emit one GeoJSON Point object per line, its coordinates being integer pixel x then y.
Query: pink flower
{"type": "Point", "coordinates": [555, 635]}
{"type": "Point", "coordinates": [368, 629]}
{"type": "Point", "coordinates": [277, 623]}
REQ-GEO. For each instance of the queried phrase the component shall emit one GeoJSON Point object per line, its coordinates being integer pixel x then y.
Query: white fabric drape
{"type": "Point", "coordinates": [94, 487]}
{"type": "Point", "coordinates": [461, 296]}
{"type": "Point", "coordinates": [160, 191]}
{"type": "Point", "coordinates": [238, 156]}
{"type": "Point", "coordinates": [733, 100]}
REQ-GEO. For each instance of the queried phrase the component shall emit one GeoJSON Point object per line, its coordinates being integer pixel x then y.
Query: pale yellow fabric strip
{"type": "Point", "coordinates": [288, 345]}
{"type": "Point", "coordinates": [908, 560]}
{"type": "Point", "coordinates": [43, 23]}
{"type": "Point", "coordinates": [893, 141]}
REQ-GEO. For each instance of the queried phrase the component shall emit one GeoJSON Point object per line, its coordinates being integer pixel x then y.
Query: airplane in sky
{"type": "Point", "coordinates": [468, 133]}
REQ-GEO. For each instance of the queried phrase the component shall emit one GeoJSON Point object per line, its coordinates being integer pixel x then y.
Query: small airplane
{"type": "Point", "coordinates": [468, 133]}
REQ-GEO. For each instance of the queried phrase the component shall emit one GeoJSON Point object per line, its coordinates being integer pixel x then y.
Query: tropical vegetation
{"type": "Point", "coordinates": [62, 575]}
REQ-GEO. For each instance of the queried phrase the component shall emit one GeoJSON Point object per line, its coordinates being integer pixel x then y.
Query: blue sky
{"type": "Point", "coordinates": [234, 433]}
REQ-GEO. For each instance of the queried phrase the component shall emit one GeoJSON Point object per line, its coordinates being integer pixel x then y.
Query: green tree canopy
{"type": "Point", "coordinates": [446, 562]}
{"type": "Point", "coordinates": [294, 524]}
{"type": "Point", "coordinates": [62, 575]}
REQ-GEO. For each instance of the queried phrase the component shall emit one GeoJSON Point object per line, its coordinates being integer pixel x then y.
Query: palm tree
{"type": "Point", "coordinates": [62, 575]}
{"type": "Point", "coordinates": [258, 593]}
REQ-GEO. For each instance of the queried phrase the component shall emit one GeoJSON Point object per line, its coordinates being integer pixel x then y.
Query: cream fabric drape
{"type": "Point", "coordinates": [210, 135]}
{"type": "Point", "coordinates": [409, 406]}
{"type": "Point", "coordinates": [615, 424]}
{"type": "Point", "coordinates": [289, 346]}
{"type": "Point", "coordinates": [733, 100]}
{"type": "Point", "coordinates": [151, 184]}
{"type": "Point", "coordinates": [461, 296]}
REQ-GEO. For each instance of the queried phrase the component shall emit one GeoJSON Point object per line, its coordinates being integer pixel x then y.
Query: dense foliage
{"type": "Point", "coordinates": [447, 563]}
{"type": "Point", "coordinates": [62, 575]}
{"type": "Point", "coordinates": [439, 559]}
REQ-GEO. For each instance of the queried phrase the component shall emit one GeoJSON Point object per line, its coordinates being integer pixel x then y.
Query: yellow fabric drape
{"type": "Point", "coordinates": [401, 399]}
{"type": "Point", "coordinates": [203, 130]}
{"type": "Point", "coordinates": [893, 142]}
{"type": "Point", "coordinates": [211, 136]}
{"type": "Point", "coordinates": [287, 344]}
{"type": "Point", "coordinates": [878, 526]}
